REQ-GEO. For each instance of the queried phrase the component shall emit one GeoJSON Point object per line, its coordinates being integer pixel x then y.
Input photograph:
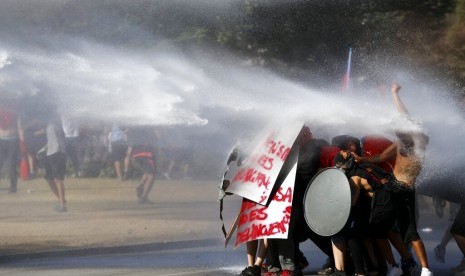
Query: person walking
{"type": "Point", "coordinates": [55, 161]}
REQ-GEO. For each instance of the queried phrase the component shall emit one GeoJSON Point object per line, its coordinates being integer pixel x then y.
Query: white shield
{"type": "Point", "coordinates": [327, 202]}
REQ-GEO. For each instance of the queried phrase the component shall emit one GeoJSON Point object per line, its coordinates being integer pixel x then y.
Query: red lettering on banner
{"type": "Point", "coordinates": [277, 149]}
{"type": "Point", "coordinates": [259, 214]}
{"type": "Point", "coordinates": [262, 199]}
{"type": "Point", "coordinates": [266, 162]}
{"type": "Point", "coordinates": [287, 214]}
{"type": "Point", "coordinates": [243, 219]}
{"type": "Point", "coordinates": [281, 197]}
{"type": "Point", "coordinates": [252, 176]}
{"type": "Point", "coordinates": [257, 231]}
{"type": "Point", "coordinates": [263, 180]}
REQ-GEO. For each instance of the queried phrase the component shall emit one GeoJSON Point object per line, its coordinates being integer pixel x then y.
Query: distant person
{"type": "Point", "coordinates": [409, 153]}
{"type": "Point", "coordinates": [9, 140]}
{"type": "Point", "coordinates": [55, 161]}
{"type": "Point", "coordinates": [117, 145]}
{"type": "Point", "coordinates": [71, 130]}
{"type": "Point", "coordinates": [440, 249]}
{"type": "Point", "coordinates": [35, 137]}
{"type": "Point", "coordinates": [144, 157]}
{"type": "Point", "coordinates": [142, 142]}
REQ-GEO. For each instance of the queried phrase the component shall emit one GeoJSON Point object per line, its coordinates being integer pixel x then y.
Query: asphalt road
{"type": "Point", "coordinates": [106, 232]}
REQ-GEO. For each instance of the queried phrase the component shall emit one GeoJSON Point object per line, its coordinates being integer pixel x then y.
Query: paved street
{"type": "Point", "coordinates": [106, 232]}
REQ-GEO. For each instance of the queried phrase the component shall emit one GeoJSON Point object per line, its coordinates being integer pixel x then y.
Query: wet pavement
{"type": "Point", "coordinates": [106, 232]}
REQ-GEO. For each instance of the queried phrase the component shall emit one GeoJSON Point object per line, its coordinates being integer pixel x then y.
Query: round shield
{"type": "Point", "coordinates": [327, 202]}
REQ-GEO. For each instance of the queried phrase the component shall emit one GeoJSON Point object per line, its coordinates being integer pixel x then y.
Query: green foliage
{"type": "Point", "coordinates": [455, 39]}
{"type": "Point", "coordinates": [291, 36]}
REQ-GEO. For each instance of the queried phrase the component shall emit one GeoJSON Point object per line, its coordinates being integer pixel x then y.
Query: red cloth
{"type": "Point", "coordinates": [327, 156]}
{"type": "Point", "coordinates": [373, 145]}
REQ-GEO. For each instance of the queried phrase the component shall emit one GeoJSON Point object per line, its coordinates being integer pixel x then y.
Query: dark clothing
{"type": "Point", "coordinates": [34, 142]}
{"type": "Point", "coordinates": [382, 210]}
{"type": "Point", "coordinates": [383, 214]}
{"type": "Point", "coordinates": [9, 153]}
{"type": "Point", "coordinates": [55, 166]}
{"type": "Point", "coordinates": [308, 163]}
{"type": "Point", "coordinates": [72, 150]}
{"type": "Point", "coordinates": [458, 227]}
{"type": "Point", "coordinates": [118, 151]}
{"type": "Point", "coordinates": [145, 158]}
{"type": "Point", "coordinates": [407, 214]}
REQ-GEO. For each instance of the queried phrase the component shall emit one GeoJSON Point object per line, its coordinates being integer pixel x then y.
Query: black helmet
{"type": "Point", "coordinates": [345, 161]}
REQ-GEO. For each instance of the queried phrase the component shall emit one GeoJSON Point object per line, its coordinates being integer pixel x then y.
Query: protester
{"type": "Point", "coordinates": [256, 254]}
{"type": "Point", "coordinates": [71, 130]}
{"type": "Point", "coordinates": [308, 164]}
{"type": "Point", "coordinates": [55, 161]}
{"type": "Point", "coordinates": [144, 157]}
{"type": "Point", "coordinates": [10, 126]}
{"type": "Point", "coordinates": [141, 149]}
{"type": "Point", "coordinates": [409, 152]}
{"type": "Point", "coordinates": [367, 181]}
{"type": "Point", "coordinates": [117, 146]}
{"type": "Point", "coordinates": [285, 254]}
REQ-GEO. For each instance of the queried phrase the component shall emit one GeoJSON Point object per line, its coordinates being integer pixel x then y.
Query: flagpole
{"type": "Point", "coordinates": [346, 80]}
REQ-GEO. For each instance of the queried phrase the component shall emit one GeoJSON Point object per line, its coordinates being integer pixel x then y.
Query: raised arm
{"type": "Point", "coordinates": [421, 138]}
{"type": "Point", "coordinates": [397, 101]}
{"type": "Point", "coordinates": [388, 153]}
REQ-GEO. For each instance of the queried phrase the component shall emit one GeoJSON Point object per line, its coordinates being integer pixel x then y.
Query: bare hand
{"type": "Point", "coordinates": [395, 88]}
{"type": "Point", "coordinates": [358, 158]}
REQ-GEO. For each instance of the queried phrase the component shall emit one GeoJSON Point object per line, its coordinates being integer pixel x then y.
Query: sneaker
{"type": "Point", "coordinates": [460, 269]}
{"type": "Point", "coordinates": [303, 263]}
{"type": "Point", "coordinates": [139, 191]}
{"type": "Point", "coordinates": [61, 209]}
{"type": "Point", "coordinates": [440, 253]}
{"type": "Point", "coordinates": [251, 271]}
{"type": "Point", "coordinates": [410, 266]}
{"type": "Point", "coordinates": [337, 273]}
{"type": "Point", "coordinates": [145, 201]}
{"type": "Point", "coordinates": [327, 268]}
{"type": "Point", "coordinates": [426, 272]}
{"type": "Point", "coordinates": [394, 270]}
{"type": "Point", "coordinates": [325, 271]}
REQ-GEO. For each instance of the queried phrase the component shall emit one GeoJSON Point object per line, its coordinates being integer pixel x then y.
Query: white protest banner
{"type": "Point", "coordinates": [257, 175]}
{"type": "Point", "coordinates": [257, 221]}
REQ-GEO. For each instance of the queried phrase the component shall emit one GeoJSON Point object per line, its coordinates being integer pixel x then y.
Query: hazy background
{"type": "Point", "coordinates": [206, 75]}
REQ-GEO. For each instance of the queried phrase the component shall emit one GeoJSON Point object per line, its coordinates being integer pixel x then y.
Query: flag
{"type": "Point", "coordinates": [346, 79]}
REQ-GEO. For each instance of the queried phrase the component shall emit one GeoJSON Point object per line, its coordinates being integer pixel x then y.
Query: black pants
{"type": "Point", "coordinates": [282, 252]}
{"type": "Point", "coordinates": [72, 146]}
{"type": "Point", "coordinates": [9, 152]}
